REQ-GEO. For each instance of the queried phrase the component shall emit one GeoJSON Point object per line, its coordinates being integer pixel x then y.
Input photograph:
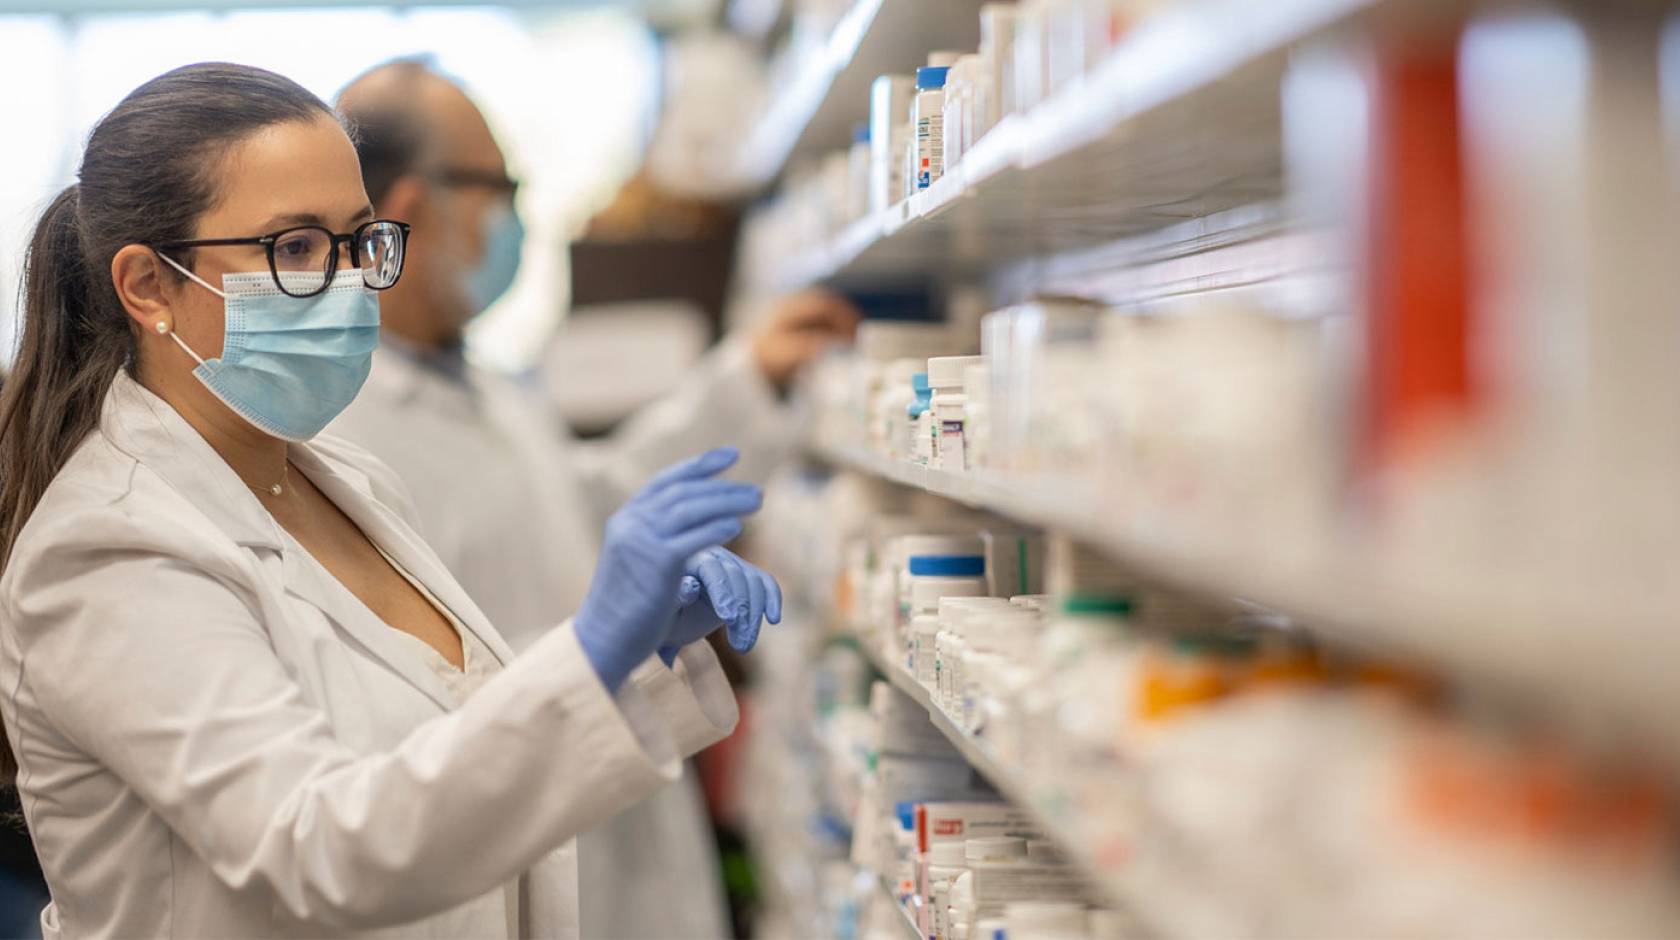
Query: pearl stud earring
{"type": "Point", "coordinates": [162, 328]}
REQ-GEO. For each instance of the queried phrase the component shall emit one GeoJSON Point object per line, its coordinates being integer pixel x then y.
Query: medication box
{"type": "Point", "coordinates": [959, 822]}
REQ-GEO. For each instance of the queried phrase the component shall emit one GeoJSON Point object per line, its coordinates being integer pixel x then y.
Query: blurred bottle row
{"type": "Point", "coordinates": [1472, 390]}
{"type": "Point", "coordinates": [1212, 766]}
{"type": "Point", "coordinates": [922, 123]}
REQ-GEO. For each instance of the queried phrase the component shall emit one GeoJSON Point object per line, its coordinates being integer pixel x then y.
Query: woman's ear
{"type": "Point", "coordinates": [143, 288]}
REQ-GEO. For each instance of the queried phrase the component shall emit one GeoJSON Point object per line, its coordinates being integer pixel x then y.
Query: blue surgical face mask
{"type": "Point", "coordinates": [290, 365]}
{"type": "Point", "coordinates": [504, 240]}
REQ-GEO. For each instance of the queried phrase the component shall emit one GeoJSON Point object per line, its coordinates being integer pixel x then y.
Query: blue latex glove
{"type": "Point", "coordinates": [719, 588]}
{"type": "Point", "coordinates": [631, 603]}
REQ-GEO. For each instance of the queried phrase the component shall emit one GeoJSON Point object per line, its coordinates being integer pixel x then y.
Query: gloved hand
{"type": "Point", "coordinates": [719, 588]}
{"type": "Point", "coordinates": [631, 603]}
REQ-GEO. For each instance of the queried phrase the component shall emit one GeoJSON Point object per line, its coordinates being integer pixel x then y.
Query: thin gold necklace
{"type": "Point", "coordinates": [278, 488]}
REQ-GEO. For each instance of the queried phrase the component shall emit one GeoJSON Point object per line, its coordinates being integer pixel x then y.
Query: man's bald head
{"type": "Point", "coordinates": [429, 159]}
{"type": "Point", "coordinates": [410, 119]}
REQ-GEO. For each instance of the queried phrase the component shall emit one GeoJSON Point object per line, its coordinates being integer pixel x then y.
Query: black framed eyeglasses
{"type": "Point", "coordinates": [304, 260]}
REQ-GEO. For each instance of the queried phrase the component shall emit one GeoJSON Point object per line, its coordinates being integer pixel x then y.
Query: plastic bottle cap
{"type": "Point", "coordinates": [990, 628]}
{"type": "Point", "coordinates": [991, 928]}
{"type": "Point", "coordinates": [950, 608]}
{"type": "Point", "coordinates": [860, 132]}
{"type": "Point", "coordinates": [947, 371]}
{"type": "Point", "coordinates": [925, 593]}
{"type": "Point", "coordinates": [995, 849]}
{"type": "Point", "coordinates": [906, 815]}
{"type": "Point", "coordinates": [930, 77]}
{"type": "Point", "coordinates": [947, 855]}
{"type": "Point", "coordinates": [955, 612]}
{"type": "Point", "coordinates": [947, 566]}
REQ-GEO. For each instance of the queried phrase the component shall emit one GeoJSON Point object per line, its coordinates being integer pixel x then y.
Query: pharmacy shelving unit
{"type": "Point", "coordinates": [1179, 124]}
{"type": "Point", "coordinates": [1010, 781]}
{"type": "Point", "coordinates": [816, 108]}
{"type": "Point", "coordinates": [1177, 127]}
{"type": "Point", "coordinates": [1173, 148]}
{"type": "Point", "coordinates": [1173, 145]}
{"type": "Point", "coordinates": [1347, 595]}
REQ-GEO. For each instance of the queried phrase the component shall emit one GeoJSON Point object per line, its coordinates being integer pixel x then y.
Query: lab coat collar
{"type": "Point", "coordinates": [149, 429]}
{"type": "Point", "coordinates": [402, 370]}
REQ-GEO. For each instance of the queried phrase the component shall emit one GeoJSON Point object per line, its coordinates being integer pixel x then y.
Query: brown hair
{"type": "Point", "coordinates": [147, 175]}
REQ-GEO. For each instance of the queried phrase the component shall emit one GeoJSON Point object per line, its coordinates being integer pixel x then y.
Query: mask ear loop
{"type": "Point", "coordinates": [162, 327]}
{"type": "Point", "coordinates": [201, 281]}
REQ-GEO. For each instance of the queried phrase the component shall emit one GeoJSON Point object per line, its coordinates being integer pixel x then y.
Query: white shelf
{"type": "Point", "coordinates": [816, 110]}
{"type": "Point", "coordinates": [1009, 781]}
{"type": "Point", "coordinates": [1181, 122]}
{"type": "Point", "coordinates": [1597, 660]}
{"type": "Point", "coordinates": [1194, 65]}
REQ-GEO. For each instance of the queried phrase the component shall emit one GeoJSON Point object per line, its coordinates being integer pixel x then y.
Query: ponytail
{"type": "Point", "coordinates": [147, 175]}
{"type": "Point", "coordinates": [70, 350]}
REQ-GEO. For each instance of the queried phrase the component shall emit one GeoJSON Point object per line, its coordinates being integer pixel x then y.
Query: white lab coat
{"type": "Point", "coordinates": [217, 739]}
{"type": "Point", "coordinates": [513, 504]}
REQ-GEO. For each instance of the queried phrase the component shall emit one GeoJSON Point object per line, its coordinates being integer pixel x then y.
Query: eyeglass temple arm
{"type": "Point", "coordinates": [208, 242]}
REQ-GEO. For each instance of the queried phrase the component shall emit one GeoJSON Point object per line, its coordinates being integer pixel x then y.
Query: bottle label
{"type": "Point", "coordinates": [950, 448]}
{"type": "Point", "coordinates": [930, 150]}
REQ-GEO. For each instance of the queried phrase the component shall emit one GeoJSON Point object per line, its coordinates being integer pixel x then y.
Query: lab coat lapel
{"type": "Point", "coordinates": [147, 428]}
{"type": "Point", "coordinates": [315, 585]}
{"type": "Point", "coordinates": [352, 494]}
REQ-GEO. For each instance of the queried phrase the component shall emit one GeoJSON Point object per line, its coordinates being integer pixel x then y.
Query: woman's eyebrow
{"type": "Point", "coordinates": [309, 218]}
{"type": "Point", "coordinates": [295, 218]}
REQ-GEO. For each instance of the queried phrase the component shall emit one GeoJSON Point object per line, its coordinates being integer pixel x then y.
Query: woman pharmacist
{"type": "Point", "coordinates": [243, 697]}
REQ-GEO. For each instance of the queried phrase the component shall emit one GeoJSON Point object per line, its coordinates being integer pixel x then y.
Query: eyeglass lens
{"type": "Point", "coordinates": [305, 258]}
{"type": "Point", "coordinates": [380, 248]}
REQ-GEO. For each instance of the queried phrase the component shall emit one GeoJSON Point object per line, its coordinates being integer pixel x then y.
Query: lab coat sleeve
{"type": "Point", "coordinates": [724, 400]}
{"type": "Point", "coordinates": [144, 651]}
{"type": "Point", "coordinates": [692, 696]}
